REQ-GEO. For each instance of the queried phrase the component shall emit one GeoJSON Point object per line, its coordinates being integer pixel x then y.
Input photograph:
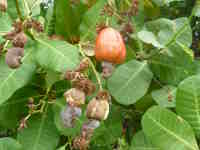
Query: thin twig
{"type": "Point", "coordinates": [93, 68]}
{"type": "Point", "coordinates": [18, 10]}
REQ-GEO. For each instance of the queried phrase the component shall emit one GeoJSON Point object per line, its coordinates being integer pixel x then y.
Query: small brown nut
{"type": "Point", "coordinates": [75, 97]}
{"type": "Point", "coordinates": [14, 56]}
{"type": "Point", "coordinates": [98, 109]}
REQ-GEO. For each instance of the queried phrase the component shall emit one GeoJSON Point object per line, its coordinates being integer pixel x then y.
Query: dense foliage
{"type": "Point", "coordinates": [55, 95]}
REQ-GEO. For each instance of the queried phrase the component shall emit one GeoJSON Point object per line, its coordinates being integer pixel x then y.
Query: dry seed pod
{"type": "Point", "coordinates": [74, 75]}
{"type": "Point", "coordinates": [107, 69]}
{"type": "Point", "coordinates": [69, 115]}
{"type": "Point", "coordinates": [3, 5]}
{"type": "Point", "coordinates": [14, 56]}
{"type": "Point", "coordinates": [85, 85]}
{"type": "Point", "coordinates": [81, 143]}
{"type": "Point", "coordinates": [75, 97]}
{"type": "Point", "coordinates": [84, 64]}
{"type": "Point", "coordinates": [20, 40]}
{"type": "Point", "coordinates": [98, 110]}
{"type": "Point", "coordinates": [103, 95]}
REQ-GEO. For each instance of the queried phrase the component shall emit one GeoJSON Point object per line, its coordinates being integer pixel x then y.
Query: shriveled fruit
{"type": "Point", "coordinates": [110, 46]}
{"type": "Point", "coordinates": [14, 56]}
{"type": "Point", "coordinates": [20, 40]}
{"type": "Point", "coordinates": [69, 115]}
{"type": "Point", "coordinates": [98, 109]}
{"type": "Point", "coordinates": [75, 97]}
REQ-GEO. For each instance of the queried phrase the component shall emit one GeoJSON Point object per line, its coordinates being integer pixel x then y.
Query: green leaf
{"type": "Point", "coordinates": [110, 130]}
{"type": "Point", "coordinates": [164, 2]}
{"type": "Point", "coordinates": [130, 82]}
{"type": "Point", "coordinates": [168, 131]}
{"type": "Point", "coordinates": [187, 101]}
{"type": "Point", "coordinates": [140, 142]}
{"type": "Point", "coordinates": [5, 23]}
{"type": "Point", "coordinates": [150, 38]}
{"type": "Point", "coordinates": [14, 79]}
{"type": "Point", "coordinates": [197, 8]}
{"type": "Point", "coordinates": [11, 111]}
{"type": "Point", "coordinates": [90, 18]}
{"type": "Point", "coordinates": [166, 96]}
{"type": "Point", "coordinates": [67, 21]}
{"type": "Point", "coordinates": [172, 70]}
{"type": "Point", "coordinates": [58, 107]}
{"type": "Point", "coordinates": [12, 11]}
{"type": "Point", "coordinates": [57, 56]}
{"type": "Point", "coordinates": [61, 148]}
{"type": "Point", "coordinates": [51, 78]}
{"type": "Point", "coordinates": [9, 144]}
{"type": "Point", "coordinates": [41, 133]}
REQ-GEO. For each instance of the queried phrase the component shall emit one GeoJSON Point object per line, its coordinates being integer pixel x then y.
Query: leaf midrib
{"type": "Point", "coordinates": [40, 129]}
{"type": "Point", "coordinates": [171, 133]}
{"type": "Point", "coordinates": [56, 51]}
{"type": "Point", "coordinates": [131, 78]}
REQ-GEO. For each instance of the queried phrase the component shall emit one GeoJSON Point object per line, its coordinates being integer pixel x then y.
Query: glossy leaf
{"type": "Point", "coordinates": [168, 131]}
{"type": "Point", "coordinates": [165, 97]}
{"type": "Point", "coordinates": [90, 18]}
{"type": "Point", "coordinates": [130, 82]}
{"type": "Point", "coordinates": [41, 132]}
{"type": "Point", "coordinates": [187, 101]}
{"type": "Point", "coordinates": [140, 142]}
{"type": "Point", "coordinates": [57, 56]}
{"type": "Point", "coordinates": [14, 79]}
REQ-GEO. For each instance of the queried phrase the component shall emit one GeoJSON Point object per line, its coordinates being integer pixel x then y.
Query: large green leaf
{"type": "Point", "coordinates": [90, 18]}
{"type": "Point", "coordinates": [140, 142]}
{"type": "Point", "coordinates": [9, 144]}
{"type": "Point", "coordinates": [165, 96]}
{"type": "Point", "coordinates": [41, 133]}
{"type": "Point", "coordinates": [13, 79]}
{"type": "Point", "coordinates": [167, 33]}
{"type": "Point", "coordinates": [11, 112]}
{"type": "Point", "coordinates": [168, 131]}
{"type": "Point", "coordinates": [188, 101]}
{"type": "Point", "coordinates": [5, 23]}
{"type": "Point", "coordinates": [130, 82]}
{"type": "Point", "coordinates": [172, 70]}
{"type": "Point", "coordinates": [56, 55]}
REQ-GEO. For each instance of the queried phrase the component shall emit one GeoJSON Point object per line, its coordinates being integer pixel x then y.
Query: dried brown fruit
{"type": "Point", "coordinates": [74, 76]}
{"type": "Point", "coordinates": [85, 85]}
{"type": "Point", "coordinates": [20, 40]}
{"type": "Point", "coordinates": [81, 143]}
{"type": "Point", "coordinates": [75, 97]}
{"type": "Point", "coordinates": [84, 64]}
{"type": "Point", "coordinates": [103, 95]}
{"type": "Point", "coordinates": [98, 110]}
{"type": "Point", "coordinates": [107, 69]}
{"type": "Point", "coordinates": [69, 115]}
{"type": "Point", "coordinates": [14, 56]}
